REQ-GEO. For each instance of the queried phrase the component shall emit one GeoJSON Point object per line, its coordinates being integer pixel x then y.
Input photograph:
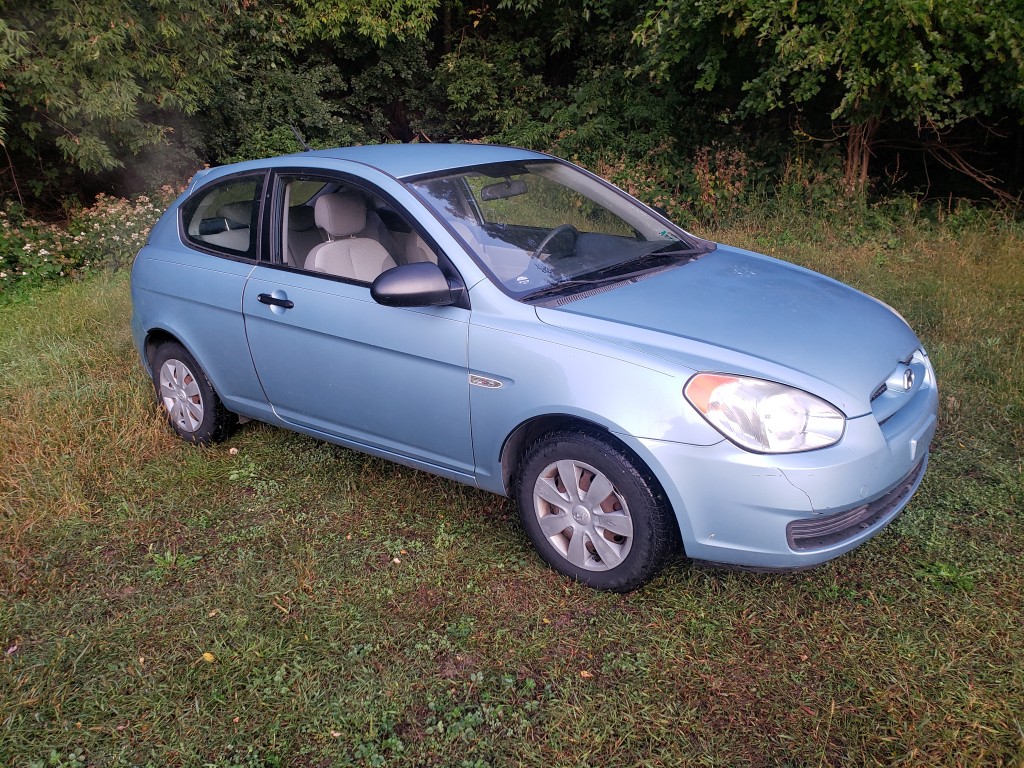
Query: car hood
{"type": "Point", "coordinates": [737, 311]}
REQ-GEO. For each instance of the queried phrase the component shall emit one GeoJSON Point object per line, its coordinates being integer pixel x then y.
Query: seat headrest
{"type": "Point", "coordinates": [416, 249]}
{"type": "Point", "coordinates": [237, 213]}
{"type": "Point", "coordinates": [301, 218]}
{"type": "Point", "coordinates": [341, 214]}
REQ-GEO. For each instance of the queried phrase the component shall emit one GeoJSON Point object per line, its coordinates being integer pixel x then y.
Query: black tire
{"type": "Point", "coordinates": [616, 541]}
{"type": "Point", "coordinates": [185, 393]}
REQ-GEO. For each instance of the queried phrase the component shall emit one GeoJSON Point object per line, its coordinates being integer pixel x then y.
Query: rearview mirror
{"type": "Point", "coordinates": [503, 189]}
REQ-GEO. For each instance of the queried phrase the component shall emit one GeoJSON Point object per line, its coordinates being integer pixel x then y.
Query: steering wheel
{"type": "Point", "coordinates": [539, 253]}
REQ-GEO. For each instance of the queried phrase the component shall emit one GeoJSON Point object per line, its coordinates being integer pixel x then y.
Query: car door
{"type": "Point", "coordinates": [390, 380]}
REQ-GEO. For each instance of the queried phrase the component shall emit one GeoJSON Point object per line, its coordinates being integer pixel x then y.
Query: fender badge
{"type": "Point", "coordinates": [483, 381]}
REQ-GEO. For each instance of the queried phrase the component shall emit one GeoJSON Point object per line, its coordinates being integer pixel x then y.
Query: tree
{"type": "Point", "coordinates": [928, 63]}
{"type": "Point", "coordinates": [92, 82]}
{"type": "Point", "coordinates": [378, 20]}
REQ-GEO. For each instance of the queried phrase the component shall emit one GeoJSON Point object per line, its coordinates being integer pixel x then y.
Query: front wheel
{"type": "Point", "coordinates": [593, 511]}
{"type": "Point", "coordinates": [193, 408]}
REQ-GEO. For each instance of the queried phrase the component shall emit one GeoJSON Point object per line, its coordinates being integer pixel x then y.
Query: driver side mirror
{"type": "Point", "coordinates": [420, 284]}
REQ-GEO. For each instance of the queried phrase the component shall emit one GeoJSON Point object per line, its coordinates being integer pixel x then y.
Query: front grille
{"type": "Point", "coordinates": [830, 530]}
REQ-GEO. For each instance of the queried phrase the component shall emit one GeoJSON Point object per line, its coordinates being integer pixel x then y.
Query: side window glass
{"type": "Point", "coordinates": [299, 231]}
{"type": "Point", "coordinates": [223, 217]}
{"type": "Point", "coordinates": [337, 229]}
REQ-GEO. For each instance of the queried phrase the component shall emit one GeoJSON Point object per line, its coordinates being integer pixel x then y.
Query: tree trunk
{"type": "Point", "coordinates": [858, 157]}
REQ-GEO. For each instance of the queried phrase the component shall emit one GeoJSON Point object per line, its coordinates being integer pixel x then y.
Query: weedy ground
{"type": "Point", "coordinates": [276, 600]}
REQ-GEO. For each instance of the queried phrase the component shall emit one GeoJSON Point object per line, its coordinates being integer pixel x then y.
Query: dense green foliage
{"type": "Point", "coordinates": [699, 103]}
{"type": "Point", "coordinates": [931, 65]}
{"type": "Point", "coordinates": [101, 80]}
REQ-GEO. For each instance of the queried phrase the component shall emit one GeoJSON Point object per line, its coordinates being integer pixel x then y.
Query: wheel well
{"type": "Point", "coordinates": [523, 436]}
{"type": "Point", "coordinates": [526, 433]}
{"type": "Point", "coordinates": [154, 339]}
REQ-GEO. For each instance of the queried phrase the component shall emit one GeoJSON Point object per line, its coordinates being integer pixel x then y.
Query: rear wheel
{"type": "Point", "coordinates": [193, 408]}
{"type": "Point", "coordinates": [593, 511]}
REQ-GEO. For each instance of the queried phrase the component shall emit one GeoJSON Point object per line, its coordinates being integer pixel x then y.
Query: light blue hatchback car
{"type": "Point", "coordinates": [505, 319]}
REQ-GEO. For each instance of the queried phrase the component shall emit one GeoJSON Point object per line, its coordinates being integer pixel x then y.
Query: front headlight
{"type": "Point", "coordinates": [764, 416]}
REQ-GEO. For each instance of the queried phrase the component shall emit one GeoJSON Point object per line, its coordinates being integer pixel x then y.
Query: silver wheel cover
{"type": "Point", "coordinates": [179, 392]}
{"type": "Point", "coordinates": [583, 515]}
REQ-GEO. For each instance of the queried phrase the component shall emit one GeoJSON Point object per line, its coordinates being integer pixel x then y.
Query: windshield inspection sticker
{"type": "Point", "coordinates": [523, 280]}
{"type": "Point", "coordinates": [666, 234]}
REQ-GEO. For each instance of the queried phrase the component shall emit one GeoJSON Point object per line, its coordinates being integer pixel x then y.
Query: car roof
{"type": "Point", "coordinates": [404, 160]}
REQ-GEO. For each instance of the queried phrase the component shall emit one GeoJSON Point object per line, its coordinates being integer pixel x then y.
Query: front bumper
{"type": "Point", "coordinates": [787, 511]}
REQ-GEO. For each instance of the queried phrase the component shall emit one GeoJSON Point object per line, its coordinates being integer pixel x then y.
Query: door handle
{"type": "Point", "coordinates": [266, 298]}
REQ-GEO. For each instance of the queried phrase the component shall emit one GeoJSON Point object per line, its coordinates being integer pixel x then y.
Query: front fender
{"type": "Point", "coordinates": [545, 372]}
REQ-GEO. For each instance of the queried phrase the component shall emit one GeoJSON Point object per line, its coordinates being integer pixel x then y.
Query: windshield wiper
{"type": "Point", "coordinates": [675, 247]}
{"type": "Point", "coordinates": [622, 268]}
{"type": "Point", "coordinates": [615, 273]}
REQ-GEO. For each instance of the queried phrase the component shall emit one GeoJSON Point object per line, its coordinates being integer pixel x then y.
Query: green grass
{"type": "Point", "coordinates": [280, 601]}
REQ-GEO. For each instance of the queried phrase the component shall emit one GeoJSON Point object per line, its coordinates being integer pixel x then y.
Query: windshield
{"type": "Point", "coordinates": [544, 227]}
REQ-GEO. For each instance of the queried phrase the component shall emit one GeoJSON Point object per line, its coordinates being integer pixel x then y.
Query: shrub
{"type": "Point", "coordinates": [107, 235]}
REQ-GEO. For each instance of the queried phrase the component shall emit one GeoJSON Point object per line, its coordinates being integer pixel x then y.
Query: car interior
{"type": "Point", "coordinates": [222, 224]}
{"type": "Point", "coordinates": [343, 232]}
{"type": "Point", "coordinates": [326, 228]}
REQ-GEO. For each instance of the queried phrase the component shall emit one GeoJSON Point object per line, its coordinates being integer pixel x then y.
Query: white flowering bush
{"type": "Point", "coordinates": [106, 235]}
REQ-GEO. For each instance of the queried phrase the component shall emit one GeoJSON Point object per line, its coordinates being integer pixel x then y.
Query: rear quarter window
{"type": "Point", "coordinates": [224, 216]}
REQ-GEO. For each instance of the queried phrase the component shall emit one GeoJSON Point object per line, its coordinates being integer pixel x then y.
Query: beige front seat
{"type": "Point", "coordinates": [303, 234]}
{"type": "Point", "coordinates": [417, 250]}
{"type": "Point", "coordinates": [343, 215]}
